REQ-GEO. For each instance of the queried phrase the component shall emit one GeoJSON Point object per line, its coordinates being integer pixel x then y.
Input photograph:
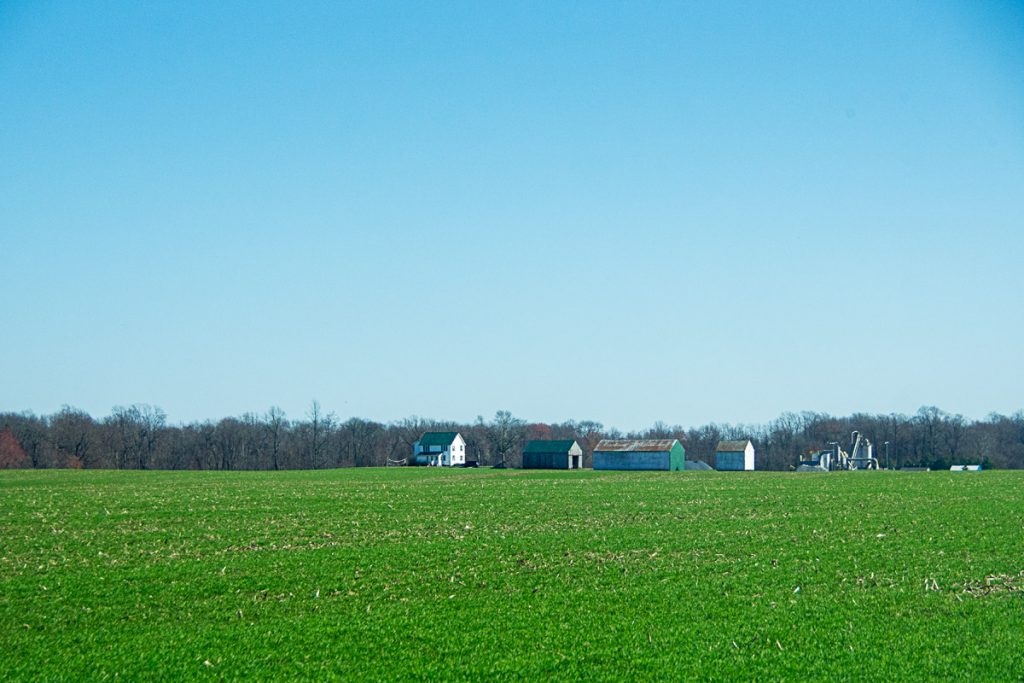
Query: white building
{"type": "Point", "coordinates": [440, 449]}
{"type": "Point", "coordinates": [734, 455]}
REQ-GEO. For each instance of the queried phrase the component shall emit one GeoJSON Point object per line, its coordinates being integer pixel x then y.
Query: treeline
{"type": "Point", "coordinates": [139, 437]}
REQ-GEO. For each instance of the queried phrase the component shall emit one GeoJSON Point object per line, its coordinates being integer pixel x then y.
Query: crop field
{"type": "Point", "coordinates": [470, 574]}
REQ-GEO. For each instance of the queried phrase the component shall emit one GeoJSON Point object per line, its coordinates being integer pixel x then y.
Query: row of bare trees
{"type": "Point", "coordinates": [139, 437]}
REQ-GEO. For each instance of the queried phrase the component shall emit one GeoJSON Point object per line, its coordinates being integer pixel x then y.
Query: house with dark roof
{"type": "Point", "coordinates": [734, 456]}
{"type": "Point", "coordinates": [639, 454]}
{"type": "Point", "coordinates": [547, 454]}
{"type": "Point", "coordinates": [440, 449]}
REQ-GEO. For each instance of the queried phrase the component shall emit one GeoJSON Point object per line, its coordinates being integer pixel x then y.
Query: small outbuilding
{"type": "Point", "coordinates": [734, 456]}
{"type": "Point", "coordinates": [440, 449]}
{"type": "Point", "coordinates": [639, 454]}
{"type": "Point", "coordinates": [547, 454]}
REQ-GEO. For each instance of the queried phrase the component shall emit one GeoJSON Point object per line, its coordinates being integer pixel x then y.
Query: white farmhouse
{"type": "Point", "coordinates": [734, 455]}
{"type": "Point", "coordinates": [440, 449]}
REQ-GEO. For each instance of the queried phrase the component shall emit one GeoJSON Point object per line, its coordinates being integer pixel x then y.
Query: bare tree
{"type": "Point", "coordinates": [953, 435]}
{"type": "Point", "coordinates": [275, 425]}
{"type": "Point", "coordinates": [506, 436]}
{"type": "Point", "coordinates": [72, 433]}
{"type": "Point", "coordinates": [357, 440]}
{"type": "Point", "coordinates": [317, 434]}
{"type": "Point", "coordinates": [135, 433]}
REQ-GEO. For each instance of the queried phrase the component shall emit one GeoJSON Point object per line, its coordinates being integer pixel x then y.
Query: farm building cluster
{"type": "Point", "coordinates": [448, 449]}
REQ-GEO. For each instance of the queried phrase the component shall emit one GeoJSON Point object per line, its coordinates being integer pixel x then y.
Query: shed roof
{"type": "Point", "coordinates": [561, 446]}
{"type": "Point", "coordinates": [438, 438]}
{"type": "Point", "coordinates": [635, 445]}
{"type": "Point", "coordinates": [732, 446]}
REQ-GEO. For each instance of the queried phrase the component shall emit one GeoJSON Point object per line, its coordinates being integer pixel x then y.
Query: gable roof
{"type": "Point", "coordinates": [560, 446]}
{"type": "Point", "coordinates": [732, 446]}
{"type": "Point", "coordinates": [635, 445]}
{"type": "Point", "coordinates": [438, 438]}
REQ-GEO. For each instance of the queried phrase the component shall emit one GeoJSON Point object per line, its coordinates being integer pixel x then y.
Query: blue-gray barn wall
{"type": "Point", "coordinates": [729, 461]}
{"type": "Point", "coordinates": [637, 460]}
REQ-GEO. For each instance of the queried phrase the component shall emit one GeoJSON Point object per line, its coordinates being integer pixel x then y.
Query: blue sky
{"type": "Point", "coordinates": [626, 212]}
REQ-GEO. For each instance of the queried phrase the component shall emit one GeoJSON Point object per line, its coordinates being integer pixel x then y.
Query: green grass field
{"type": "Point", "coordinates": [415, 573]}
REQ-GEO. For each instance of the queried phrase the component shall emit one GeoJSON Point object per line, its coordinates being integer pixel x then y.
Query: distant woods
{"type": "Point", "coordinates": [139, 437]}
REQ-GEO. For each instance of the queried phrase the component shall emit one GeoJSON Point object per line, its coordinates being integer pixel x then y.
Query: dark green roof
{"type": "Point", "coordinates": [437, 438]}
{"type": "Point", "coordinates": [549, 446]}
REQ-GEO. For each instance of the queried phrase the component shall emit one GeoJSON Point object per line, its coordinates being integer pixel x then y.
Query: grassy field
{"type": "Point", "coordinates": [415, 573]}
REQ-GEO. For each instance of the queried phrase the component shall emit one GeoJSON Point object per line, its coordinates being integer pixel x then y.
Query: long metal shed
{"type": "Point", "coordinates": [547, 454]}
{"type": "Point", "coordinates": [639, 454]}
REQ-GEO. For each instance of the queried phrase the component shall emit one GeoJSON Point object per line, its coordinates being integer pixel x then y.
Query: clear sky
{"type": "Point", "coordinates": [625, 212]}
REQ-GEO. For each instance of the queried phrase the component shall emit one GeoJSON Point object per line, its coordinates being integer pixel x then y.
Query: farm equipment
{"type": "Point", "coordinates": [860, 457]}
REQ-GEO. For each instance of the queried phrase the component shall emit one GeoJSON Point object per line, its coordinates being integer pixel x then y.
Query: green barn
{"type": "Point", "coordinates": [546, 454]}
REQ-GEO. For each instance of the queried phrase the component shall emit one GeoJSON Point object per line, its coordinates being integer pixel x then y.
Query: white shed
{"type": "Point", "coordinates": [734, 455]}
